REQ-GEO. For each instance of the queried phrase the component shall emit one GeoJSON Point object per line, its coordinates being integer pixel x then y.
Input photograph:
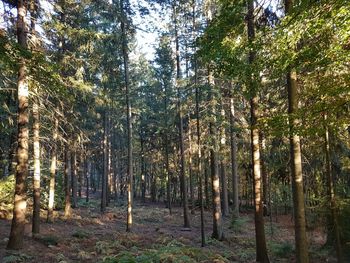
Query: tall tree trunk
{"type": "Point", "coordinates": [128, 119]}
{"type": "Point", "coordinates": [193, 203]}
{"type": "Point", "coordinates": [234, 161]}
{"type": "Point", "coordinates": [301, 243]}
{"type": "Point", "coordinates": [215, 178]}
{"type": "Point", "coordinates": [88, 176]}
{"type": "Point", "coordinates": [36, 172]}
{"type": "Point", "coordinates": [333, 224]}
{"type": "Point", "coordinates": [261, 250]}
{"type": "Point", "coordinates": [20, 203]}
{"type": "Point", "coordinates": [74, 176]}
{"type": "Point", "coordinates": [36, 137]}
{"type": "Point", "coordinates": [199, 150]}
{"type": "Point", "coordinates": [225, 208]}
{"type": "Point", "coordinates": [143, 175]}
{"type": "Point", "coordinates": [53, 168]}
{"type": "Point", "coordinates": [180, 119]}
{"type": "Point", "coordinates": [206, 185]}
{"type": "Point", "coordinates": [262, 142]}
{"type": "Point", "coordinates": [105, 164]}
{"type": "Point", "coordinates": [67, 179]}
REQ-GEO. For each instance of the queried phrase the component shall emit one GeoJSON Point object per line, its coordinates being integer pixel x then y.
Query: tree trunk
{"type": "Point", "coordinates": [301, 244]}
{"type": "Point", "coordinates": [217, 220]}
{"type": "Point", "coordinates": [193, 203]}
{"type": "Point", "coordinates": [128, 119]}
{"type": "Point", "coordinates": [199, 153]}
{"type": "Point", "coordinates": [20, 203]}
{"type": "Point", "coordinates": [36, 172]}
{"type": "Point", "coordinates": [53, 172]}
{"type": "Point", "coordinates": [235, 191]}
{"type": "Point", "coordinates": [180, 119]}
{"type": "Point", "coordinates": [261, 250]}
{"type": "Point", "coordinates": [264, 174]}
{"type": "Point", "coordinates": [333, 224]}
{"type": "Point", "coordinates": [88, 177]}
{"type": "Point", "coordinates": [105, 164]}
{"type": "Point", "coordinates": [225, 209]}
{"type": "Point", "coordinates": [67, 179]}
{"type": "Point", "coordinates": [74, 176]}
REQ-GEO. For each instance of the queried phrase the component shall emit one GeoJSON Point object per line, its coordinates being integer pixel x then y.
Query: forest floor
{"type": "Point", "coordinates": [157, 236]}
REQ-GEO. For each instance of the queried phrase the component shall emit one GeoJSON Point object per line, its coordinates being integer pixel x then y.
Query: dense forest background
{"type": "Point", "coordinates": [229, 143]}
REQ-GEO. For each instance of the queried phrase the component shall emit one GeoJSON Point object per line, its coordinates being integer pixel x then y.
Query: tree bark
{"type": "Point", "coordinates": [301, 244]}
{"type": "Point", "coordinates": [67, 179]}
{"type": "Point", "coordinates": [333, 224]}
{"type": "Point", "coordinates": [74, 176]}
{"type": "Point", "coordinates": [53, 172]}
{"type": "Point", "coordinates": [180, 119]}
{"type": "Point", "coordinates": [20, 203]}
{"type": "Point", "coordinates": [36, 172]}
{"type": "Point", "coordinates": [225, 208]}
{"type": "Point", "coordinates": [105, 164]}
{"type": "Point", "coordinates": [215, 178]}
{"type": "Point", "coordinates": [128, 119]}
{"type": "Point", "coordinates": [261, 250]}
{"type": "Point", "coordinates": [235, 191]}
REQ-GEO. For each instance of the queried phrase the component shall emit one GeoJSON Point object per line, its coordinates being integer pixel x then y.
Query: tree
{"type": "Point", "coordinates": [20, 204]}
{"type": "Point", "coordinates": [296, 164]}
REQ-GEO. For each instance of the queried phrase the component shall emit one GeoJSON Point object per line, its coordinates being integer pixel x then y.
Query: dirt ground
{"type": "Point", "coordinates": [89, 236]}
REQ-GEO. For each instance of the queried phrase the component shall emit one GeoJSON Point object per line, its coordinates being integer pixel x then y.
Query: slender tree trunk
{"type": "Point", "coordinates": [333, 225]}
{"type": "Point", "coordinates": [20, 203]}
{"type": "Point", "coordinates": [36, 137]}
{"type": "Point", "coordinates": [234, 161]}
{"type": "Point", "coordinates": [180, 119]}
{"type": "Point", "coordinates": [261, 250]}
{"type": "Point", "coordinates": [67, 179]}
{"type": "Point", "coordinates": [199, 150]}
{"type": "Point", "coordinates": [264, 174]}
{"type": "Point", "coordinates": [88, 177]}
{"type": "Point", "coordinates": [53, 168]}
{"type": "Point", "coordinates": [168, 173]}
{"type": "Point", "coordinates": [193, 203]}
{"type": "Point", "coordinates": [105, 164]}
{"type": "Point", "coordinates": [143, 175]}
{"type": "Point", "coordinates": [225, 209]}
{"type": "Point", "coordinates": [36, 172]}
{"type": "Point", "coordinates": [206, 186]}
{"type": "Point", "coordinates": [74, 176]}
{"type": "Point", "coordinates": [301, 244]}
{"type": "Point", "coordinates": [215, 178]}
{"type": "Point", "coordinates": [128, 119]}
{"type": "Point", "coordinates": [217, 220]}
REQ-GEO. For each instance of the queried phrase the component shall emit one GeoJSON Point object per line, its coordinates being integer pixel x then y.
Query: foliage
{"type": "Point", "coordinates": [7, 189]}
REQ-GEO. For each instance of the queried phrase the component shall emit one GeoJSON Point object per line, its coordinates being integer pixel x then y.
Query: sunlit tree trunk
{"type": "Point", "coordinates": [20, 203]}
{"type": "Point", "coordinates": [67, 182]}
{"type": "Point", "coordinates": [301, 244]}
{"type": "Point", "coordinates": [53, 168]}
{"type": "Point", "coordinates": [36, 171]}
{"type": "Point", "coordinates": [261, 250]}
{"type": "Point", "coordinates": [74, 175]}
{"type": "Point", "coordinates": [105, 164]}
{"type": "Point", "coordinates": [193, 203]}
{"type": "Point", "coordinates": [36, 133]}
{"type": "Point", "coordinates": [264, 174]}
{"type": "Point", "coordinates": [234, 161]}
